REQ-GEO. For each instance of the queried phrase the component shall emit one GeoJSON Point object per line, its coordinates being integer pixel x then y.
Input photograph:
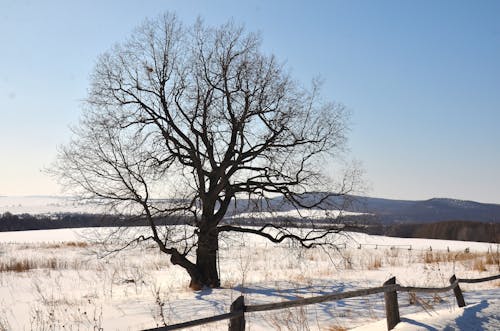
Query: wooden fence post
{"type": "Point", "coordinates": [391, 305]}
{"type": "Point", "coordinates": [458, 292]}
{"type": "Point", "coordinates": [238, 323]}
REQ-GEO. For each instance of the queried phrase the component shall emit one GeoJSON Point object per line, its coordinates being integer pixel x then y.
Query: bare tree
{"type": "Point", "coordinates": [200, 115]}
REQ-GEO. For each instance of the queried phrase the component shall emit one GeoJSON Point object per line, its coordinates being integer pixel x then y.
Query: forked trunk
{"type": "Point", "coordinates": [206, 260]}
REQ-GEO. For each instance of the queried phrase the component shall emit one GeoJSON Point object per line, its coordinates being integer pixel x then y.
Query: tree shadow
{"type": "Point", "coordinates": [331, 309]}
{"type": "Point", "coordinates": [205, 295]}
{"type": "Point", "coordinates": [276, 292]}
{"type": "Point", "coordinates": [470, 317]}
{"type": "Point", "coordinates": [469, 320]}
{"type": "Point", "coordinates": [290, 293]}
{"type": "Point", "coordinates": [417, 323]}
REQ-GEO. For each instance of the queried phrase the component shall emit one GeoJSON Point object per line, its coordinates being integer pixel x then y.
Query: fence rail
{"type": "Point", "coordinates": [478, 280]}
{"type": "Point", "coordinates": [389, 288]}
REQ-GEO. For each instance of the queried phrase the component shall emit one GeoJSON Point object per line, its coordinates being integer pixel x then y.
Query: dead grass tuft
{"type": "Point", "coordinates": [412, 298]}
{"type": "Point", "coordinates": [492, 258]}
{"type": "Point", "coordinates": [438, 257]}
{"type": "Point", "coordinates": [429, 257]}
{"type": "Point", "coordinates": [24, 265]}
{"type": "Point", "coordinates": [16, 265]}
{"type": "Point", "coordinates": [70, 244]}
{"type": "Point", "coordinates": [292, 319]}
{"type": "Point", "coordinates": [479, 265]}
{"type": "Point", "coordinates": [336, 328]}
{"type": "Point", "coordinates": [300, 278]}
{"type": "Point", "coordinates": [375, 263]}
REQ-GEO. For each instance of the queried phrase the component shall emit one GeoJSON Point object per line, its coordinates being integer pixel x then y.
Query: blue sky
{"type": "Point", "coordinates": [421, 78]}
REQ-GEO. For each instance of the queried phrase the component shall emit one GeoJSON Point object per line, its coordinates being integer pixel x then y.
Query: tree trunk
{"type": "Point", "coordinates": [206, 259]}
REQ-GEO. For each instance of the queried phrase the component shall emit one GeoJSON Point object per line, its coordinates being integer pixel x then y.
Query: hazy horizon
{"type": "Point", "coordinates": [61, 196]}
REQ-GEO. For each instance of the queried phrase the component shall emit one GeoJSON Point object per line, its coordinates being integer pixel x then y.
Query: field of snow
{"type": "Point", "coordinates": [54, 280]}
{"type": "Point", "coordinates": [45, 205]}
{"type": "Point", "coordinates": [313, 214]}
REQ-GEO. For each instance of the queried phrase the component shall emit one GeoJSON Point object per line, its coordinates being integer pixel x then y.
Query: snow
{"type": "Point", "coordinates": [41, 236]}
{"type": "Point", "coordinates": [297, 213]}
{"type": "Point", "coordinates": [481, 313]}
{"type": "Point", "coordinates": [46, 205]}
{"type": "Point", "coordinates": [418, 243]}
{"type": "Point", "coordinates": [69, 286]}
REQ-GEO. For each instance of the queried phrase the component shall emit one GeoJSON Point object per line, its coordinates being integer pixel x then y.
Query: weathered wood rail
{"type": "Point", "coordinates": [236, 316]}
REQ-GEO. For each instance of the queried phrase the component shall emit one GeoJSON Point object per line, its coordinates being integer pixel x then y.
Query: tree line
{"type": "Point", "coordinates": [447, 230]}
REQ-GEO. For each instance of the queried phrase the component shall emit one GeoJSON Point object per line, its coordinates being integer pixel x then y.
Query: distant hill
{"type": "Point", "coordinates": [426, 211]}
{"type": "Point", "coordinates": [387, 210]}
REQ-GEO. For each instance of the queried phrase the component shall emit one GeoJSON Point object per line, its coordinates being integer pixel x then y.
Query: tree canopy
{"type": "Point", "coordinates": [200, 115]}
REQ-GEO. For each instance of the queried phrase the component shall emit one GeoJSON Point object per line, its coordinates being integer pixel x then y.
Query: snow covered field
{"type": "Point", "coordinates": [53, 280]}
{"type": "Point", "coordinates": [46, 205]}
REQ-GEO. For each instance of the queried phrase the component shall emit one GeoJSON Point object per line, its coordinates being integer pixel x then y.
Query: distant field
{"type": "Point", "coordinates": [53, 280]}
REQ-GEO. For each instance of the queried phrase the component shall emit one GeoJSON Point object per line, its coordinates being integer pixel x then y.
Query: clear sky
{"type": "Point", "coordinates": [421, 78]}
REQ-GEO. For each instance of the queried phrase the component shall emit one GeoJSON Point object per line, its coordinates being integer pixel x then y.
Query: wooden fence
{"type": "Point", "coordinates": [236, 316]}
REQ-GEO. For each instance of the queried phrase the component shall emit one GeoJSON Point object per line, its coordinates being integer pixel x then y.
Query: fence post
{"type": "Point", "coordinates": [391, 305]}
{"type": "Point", "coordinates": [458, 292]}
{"type": "Point", "coordinates": [238, 323]}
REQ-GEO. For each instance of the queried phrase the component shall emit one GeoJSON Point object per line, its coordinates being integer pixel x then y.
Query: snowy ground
{"type": "Point", "coordinates": [481, 313]}
{"type": "Point", "coordinates": [53, 280]}
{"type": "Point", "coordinates": [37, 205]}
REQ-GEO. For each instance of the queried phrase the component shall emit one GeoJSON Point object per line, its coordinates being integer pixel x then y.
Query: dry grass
{"type": "Point", "coordinates": [299, 272]}
{"type": "Point", "coordinates": [492, 258]}
{"type": "Point", "coordinates": [70, 244]}
{"type": "Point", "coordinates": [292, 319]}
{"type": "Point", "coordinates": [336, 328]}
{"type": "Point", "coordinates": [16, 265]}
{"type": "Point", "coordinates": [427, 303]}
{"type": "Point", "coordinates": [24, 264]}
{"type": "Point", "coordinates": [473, 261]}
{"type": "Point", "coordinates": [412, 298]}
{"type": "Point", "coordinates": [479, 260]}
{"type": "Point", "coordinates": [429, 257]}
{"type": "Point", "coordinates": [438, 257]}
{"type": "Point", "coordinates": [300, 278]}
{"type": "Point", "coordinates": [42, 256]}
{"type": "Point", "coordinates": [347, 260]}
{"type": "Point", "coordinates": [479, 265]}
{"type": "Point", "coordinates": [392, 257]}
{"type": "Point", "coordinates": [375, 263]}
